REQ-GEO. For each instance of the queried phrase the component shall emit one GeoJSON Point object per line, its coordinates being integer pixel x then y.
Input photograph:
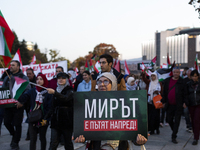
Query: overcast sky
{"type": "Point", "coordinates": [75, 27]}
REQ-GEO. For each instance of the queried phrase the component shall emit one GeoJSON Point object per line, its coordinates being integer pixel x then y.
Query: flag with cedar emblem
{"type": "Point", "coordinates": [6, 40]}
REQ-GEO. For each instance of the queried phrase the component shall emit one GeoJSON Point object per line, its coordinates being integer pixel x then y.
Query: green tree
{"type": "Point", "coordinates": [24, 53]}
{"type": "Point", "coordinates": [196, 4]}
{"type": "Point", "coordinates": [103, 48]}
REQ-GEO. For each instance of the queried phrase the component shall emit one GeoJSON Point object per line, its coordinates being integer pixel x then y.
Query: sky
{"type": "Point", "coordinates": [75, 27]}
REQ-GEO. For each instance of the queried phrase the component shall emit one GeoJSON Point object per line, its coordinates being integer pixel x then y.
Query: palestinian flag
{"type": "Point", "coordinates": [196, 65]}
{"type": "Point", "coordinates": [19, 87]}
{"type": "Point", "coordinates": [153, 61]}
{"type": "Point", "coordinates": [97, 67]}
{"type": "Point", "coordinates": [91, 66]}
{"type": "Point", "coordinates": [168, 61]}
{"type": "Point", "coordinates": [163, 73]}
{"type": "Point", "coordinates": [126, 68]}
{"type": "Point", "coordinates": [6, 40]}
{"type": "Point", "coordinates": [94, 57]}
{"type": "Point", "coordinates": [86, 66]}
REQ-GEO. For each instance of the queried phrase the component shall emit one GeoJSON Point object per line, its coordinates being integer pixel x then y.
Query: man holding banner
{"type": "Point", "coordinates": [108, 82]}
{"type": "Point", "coordinates": [14, 115]}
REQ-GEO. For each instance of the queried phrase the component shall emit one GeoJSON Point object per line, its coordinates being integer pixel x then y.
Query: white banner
{"type": "Point", "coordinates": [49, 69]}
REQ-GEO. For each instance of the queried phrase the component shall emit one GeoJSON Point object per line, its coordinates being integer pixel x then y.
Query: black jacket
{"type": "Point", "coordinates": [79, 79]}
{"type": "Point", "coordinates": [179, 88]}
{"type": "Point", "coordinates": [30, 96]}
{"type": "Point", "coordinates": [62, 109]}
{"type": "Point", "coordinates": [192, 93]}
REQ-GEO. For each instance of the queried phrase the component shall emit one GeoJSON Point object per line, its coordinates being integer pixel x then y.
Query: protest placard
{"type": "Point", "coordinates": [110, 115]}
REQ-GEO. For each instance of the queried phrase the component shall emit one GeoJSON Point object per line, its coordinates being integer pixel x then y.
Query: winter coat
{"type": "Point", "coordinates": [121, 86]}
{"type": "Point", "coordinates": [192, 93]}
{"type": "Point", "coordinates": [31, 96]}
{"type": "Point", "coordinates": [62, 109]}
{"type": "Point", "coordinates": [179, 88]}
{"type": "Point", "coordinates": [79, 79]}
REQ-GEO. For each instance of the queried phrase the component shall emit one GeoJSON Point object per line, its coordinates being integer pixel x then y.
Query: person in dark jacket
{"type": "Point", "coordinates": [79, 78]}
{"type": "Point", "coordinates": [62, 113]}
{"type": "Point", "coordinates": [172, 98]}
{"type": "Point", "coordinates": [192, 100]}
{"type": "Point", "coordinates": [13, 116]}
{"type": "Point", "coordinates": [39, 99]}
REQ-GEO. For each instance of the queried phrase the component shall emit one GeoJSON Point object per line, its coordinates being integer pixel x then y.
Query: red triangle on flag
{"type": "Point", "coordinates": [19, 80]}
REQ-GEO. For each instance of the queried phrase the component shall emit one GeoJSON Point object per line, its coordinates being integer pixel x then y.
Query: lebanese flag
{"type": "Point", "coordinates": [126, 68]}
{"type": "Point", "coordinates": [18, 58]}
{"type": "Point", "coordinates": [76, 70]}
{"type": "Point", "coordinates": [6, 40]}
{"type": "Point", "coordinates": [117, 67]}
{"type": "Point", "coordinates": [33, 60]}
{"type": "Point", "coordinates": [148, 72]}
{"type": "Point", "coordinates": [97, 67]}
{"type": "Point", "coordinates": [19, 87]}
{"type": "Point", "coordinates": [196, 65]}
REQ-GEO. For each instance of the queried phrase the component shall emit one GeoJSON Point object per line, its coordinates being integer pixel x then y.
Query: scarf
{"type": "Point", "coordinates": [61, 87]}
{"type": "Point", "coordinates": [129, 87]}
{"type": "Point", "coordinates": [153, 86]}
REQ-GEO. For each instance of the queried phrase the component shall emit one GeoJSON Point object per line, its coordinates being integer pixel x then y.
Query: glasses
{"type": "Point", "coordinates": [105, 82]}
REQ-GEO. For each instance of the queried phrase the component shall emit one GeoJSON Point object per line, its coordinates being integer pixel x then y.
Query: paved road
{"type": "Point", "coordinates": [155, 142]}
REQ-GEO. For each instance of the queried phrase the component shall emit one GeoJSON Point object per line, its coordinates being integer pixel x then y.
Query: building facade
{"type": "Point", "coordinates": [182, 44]}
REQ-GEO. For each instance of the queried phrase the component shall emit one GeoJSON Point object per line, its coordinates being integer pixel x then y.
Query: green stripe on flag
{"type": "Point", "coordinates": [6, 50]}
{"type": "Point", "coordinates": [20, 90]}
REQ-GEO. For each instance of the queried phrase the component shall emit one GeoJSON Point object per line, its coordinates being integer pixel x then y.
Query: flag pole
{"type": "Point", "coordinates": [5, 69]}
{"type": "Point", "coordinates": [38, 85]}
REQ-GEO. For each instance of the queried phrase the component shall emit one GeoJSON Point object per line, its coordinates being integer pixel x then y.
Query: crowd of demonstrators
{"type": "Point", "coordinates": [57, 102]}
{"type": "Point", "coordinates": [85, 85]}
{"type": "Point", "coordinates": [38, 98]}
{"type": "Point", "coordinates": [153, 87]}
{"type": "Point", "coordinates": [13, 116]}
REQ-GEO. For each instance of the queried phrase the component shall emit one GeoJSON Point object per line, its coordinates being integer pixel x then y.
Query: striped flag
{"type": "Point", "coordinates": [33, 60]}
{"type": "Point", "coordinates": [97, 67]}
{"type": "Point", "coordinates": [115, 63]}
{"type": "Point", "coordinates": [91, 66]}
{"type": "Point", "coordinates": [18, 58]}
{"type": "Point", "coordinates": [19, 87]}
{"type": "Point", "coordinates": [168, 61]}
{"type": "Point", "coordinates": [76, 70]}
{"type": "Point", "coordinates": [6, 40]}
{"type": "Point", "coordinates": [126, 68]}
{"type": "Point", "coordinates": [148, 72]}
{"type": "Point", "coordinates": [118, 66]}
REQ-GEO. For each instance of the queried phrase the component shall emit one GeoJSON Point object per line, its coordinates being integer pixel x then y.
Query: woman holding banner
{"type": "Point", "coordinates": [108, 82]}
{"type": "Point", "coordinates": [39, 100]}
